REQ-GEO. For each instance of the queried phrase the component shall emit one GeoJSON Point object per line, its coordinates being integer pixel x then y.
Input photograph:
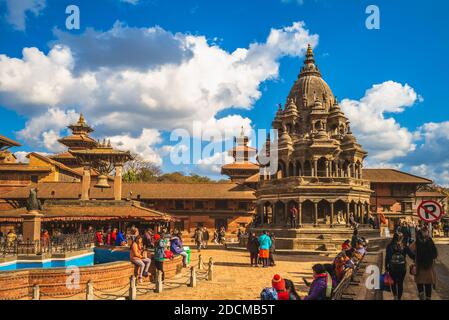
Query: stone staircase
{"type": "Point", "coordinates": [319, 239]}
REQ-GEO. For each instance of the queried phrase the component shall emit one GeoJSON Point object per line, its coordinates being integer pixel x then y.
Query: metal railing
{"type": "Point", "coordinates": [56, 245]}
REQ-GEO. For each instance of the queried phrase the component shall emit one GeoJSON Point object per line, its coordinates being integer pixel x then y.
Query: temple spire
{"type": "Point", "coordinates": [309, 55]}
{"type": "Point", "coordinates": [309, 67]}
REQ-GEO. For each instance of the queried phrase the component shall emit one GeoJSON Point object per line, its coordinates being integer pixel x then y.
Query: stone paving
{"type": "Point", "coordinates": [234, 278]}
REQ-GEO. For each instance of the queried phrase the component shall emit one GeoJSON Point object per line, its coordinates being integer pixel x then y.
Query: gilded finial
{"type": "Point", "coordinates": [309, 55]}
{"type": "Point", "coordinates": [81, 119]}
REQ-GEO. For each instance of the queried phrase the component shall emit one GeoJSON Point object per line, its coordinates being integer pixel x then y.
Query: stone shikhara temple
{"type": "Point", "coordinates": [320, 172]}
{"type": "Point", "coordinates": [320, 162]}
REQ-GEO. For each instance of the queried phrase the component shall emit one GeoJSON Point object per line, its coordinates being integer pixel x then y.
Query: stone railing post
{"type": "Point", "coordinates": [132, 288]}
{"type": "Point", "coordinates": [192, 277]}
{"type": "Point", "coordinates": [159, 283]}
{"type": "Point", "coordinates": [210, 270]}
{"type": "Point", "coordinates": [200, 262]}
{"type": "Point", "coordinates": [36, 292]}
{"type": "Point", "coordinates": [89, 290]}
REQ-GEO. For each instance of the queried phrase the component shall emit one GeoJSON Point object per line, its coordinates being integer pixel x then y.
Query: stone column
{"type": "Point", "coordinates": [348, 207]}
{"type": "Point", "coordinates": [286, 213]}
{"type": "Point", "coordinates": [315, 216]}
{"type": "Point", "coordinates": [118, 182]}
{"type": "Point", "coordinates": [327, 169]}
{"type": "Point", "coordinates": [32, 225]}
{"type": "Point", "coordinates": [262, 213]}
{"type": "Point", "coordinates": [299, 214]}
{"type": "Point", "coordinates": [332, 214]}
{"type": "Point", "coordinates": [315, 168]}
{"type": "Point", "coordinates": [85, 184]}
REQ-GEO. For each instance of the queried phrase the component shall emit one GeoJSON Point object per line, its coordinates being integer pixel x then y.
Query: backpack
{"type": "Point", "coordinates": [269, 294]}
{"type": "Point", "coordinates": [397, 260]}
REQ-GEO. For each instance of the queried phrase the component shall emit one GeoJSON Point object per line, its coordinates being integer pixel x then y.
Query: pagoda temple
{"type": "Point", "coordinates": [78, 140]}
{"type": "Point", "coordinates": [242, 168]}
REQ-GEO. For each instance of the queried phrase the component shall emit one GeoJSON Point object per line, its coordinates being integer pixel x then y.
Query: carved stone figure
{"type": "Point", "coordinates": [33, 203]}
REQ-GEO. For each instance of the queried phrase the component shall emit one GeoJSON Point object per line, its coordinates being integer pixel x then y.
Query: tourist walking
{"type": "Point", "coordinates": [222, 235]}
{"type": "Point", "coordinates": [99, 237]}
{"type": "Point", "coordinates": [11, 237]}
{"type": "Point", "coordinates": [253, 248]}
{"type": "Point", "coordinates": [198, 237]}
{"type": "Point", "coordinates": [139, 257]}
{"type": "Point", "coordinates": [293, 217]}
{"type": "Point", "coordinates": [264, 248]}
{"type": "Point", "coordinates": [396, 264]}
{"type": "Point", "coordinates": [45, 239]}
{"type": "Point", "coordinates": [206, 237]}
{"type": "Point", "coordinates": [425, 253]}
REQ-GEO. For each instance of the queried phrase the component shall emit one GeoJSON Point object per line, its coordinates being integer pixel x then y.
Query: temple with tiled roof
{"type": "Point", "coordinates": [78, 140]}
{"type": "Point", "coordinates": [242, 168]}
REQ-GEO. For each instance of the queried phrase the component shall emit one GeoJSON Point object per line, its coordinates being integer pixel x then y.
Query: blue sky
{"type": "Point", "coordinates": [392, 82]}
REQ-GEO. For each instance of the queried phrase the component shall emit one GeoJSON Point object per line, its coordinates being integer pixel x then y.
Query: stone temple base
{"type": "Point", "coordinates": [319, 239]}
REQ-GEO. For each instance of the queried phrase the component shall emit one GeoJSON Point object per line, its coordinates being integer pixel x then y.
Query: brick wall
{"type": "Point", "coordinates": [16, 285]}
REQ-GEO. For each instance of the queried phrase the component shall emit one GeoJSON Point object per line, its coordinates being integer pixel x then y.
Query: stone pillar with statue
{"type": "Point", "coordinates": [32, 219]}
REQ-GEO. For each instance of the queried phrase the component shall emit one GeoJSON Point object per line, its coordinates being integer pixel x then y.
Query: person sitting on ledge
{"type": "Point", "coordinates": [346, 245]}
{"type": "Point", "coordinates": [177, 248]}
{"type": "Point", "coordinates": [139, 257]}
{"type": "Point", "coordinates": [320, 284]}
{"type": "Point", "coordinates": [278, 283]}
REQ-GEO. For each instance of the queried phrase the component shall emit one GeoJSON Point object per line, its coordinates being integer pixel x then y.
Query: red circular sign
{"type": "Point", "coordinates": [430, 211]}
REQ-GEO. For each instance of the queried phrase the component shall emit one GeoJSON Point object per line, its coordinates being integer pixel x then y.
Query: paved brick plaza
{"type": "Point", "coordinates": [235, 279]}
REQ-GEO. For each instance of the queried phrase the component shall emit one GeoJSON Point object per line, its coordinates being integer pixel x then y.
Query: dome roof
{"type": "Point", "coordinates": [310, 86]}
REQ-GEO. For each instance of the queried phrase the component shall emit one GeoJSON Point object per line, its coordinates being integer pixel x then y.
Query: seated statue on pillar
{"type": "Point", "coordinates": [33, 203]}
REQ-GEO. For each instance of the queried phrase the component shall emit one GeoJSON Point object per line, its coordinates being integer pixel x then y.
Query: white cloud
{"type": "Point", "coordinates": [195, 82]}
{"type": "Point", "coordinates": [18, 10]}
{"type": "Point", "coordinates": [212, 165]}
{"type": "Point", "coordinates": [22, 156]}
{"type": "Point", "coordinates": [43, 130]}
{"type": "Point", "coordinates": [382, 136]}
{"type": "Point", "coordinates": [133, 2]}
{"type": "Point", "coordinates": [142, 145]}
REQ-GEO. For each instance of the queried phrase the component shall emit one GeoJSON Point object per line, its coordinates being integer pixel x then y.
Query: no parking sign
{"type": "Point", "coordinates": [430, 211]}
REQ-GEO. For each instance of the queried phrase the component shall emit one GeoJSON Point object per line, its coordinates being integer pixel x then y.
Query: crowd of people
{"type": "Point", "coordinates": [422, 250]}
{"type": "Point", "coordinates": [166, 245]}
{"type": "Point", "coordinates": [326, 277]}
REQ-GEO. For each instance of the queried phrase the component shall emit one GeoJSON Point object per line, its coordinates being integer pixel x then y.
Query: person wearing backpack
{"type": "Point", "coordinates": [159, 254]}
{"type": "Point", "coordinates": [396, 263]}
